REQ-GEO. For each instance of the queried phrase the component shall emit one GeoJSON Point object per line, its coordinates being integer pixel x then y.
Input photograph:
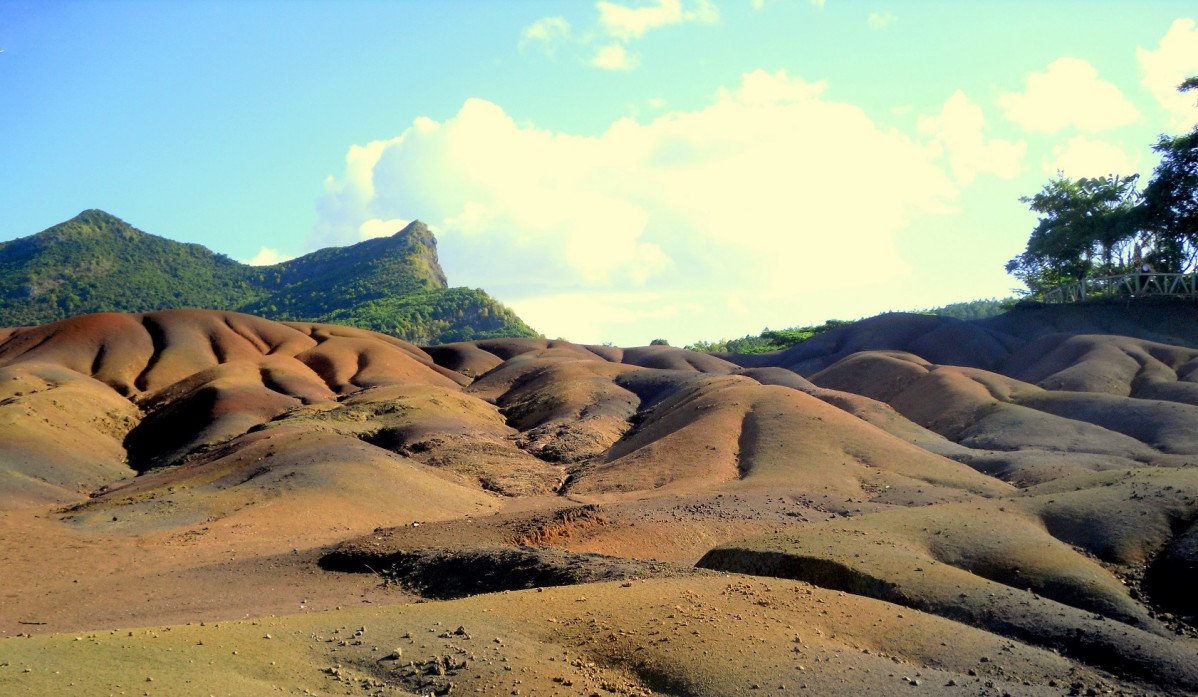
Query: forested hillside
{"type": "Point", "coordinates": [96, 262]}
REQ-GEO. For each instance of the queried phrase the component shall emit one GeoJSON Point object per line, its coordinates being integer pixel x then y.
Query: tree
{"type": "Point", "coordinates": [1084, 223]}
{"type": "Point", "coordinates": [659, 342]}
{"type": "Point", "coordinates": [1171, 199]}
{"type": "Point", "coordinates": [1089, 224]}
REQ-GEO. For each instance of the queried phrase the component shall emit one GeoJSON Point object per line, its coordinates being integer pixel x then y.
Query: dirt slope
{"type": "Point", "coordinates": [917, 505]}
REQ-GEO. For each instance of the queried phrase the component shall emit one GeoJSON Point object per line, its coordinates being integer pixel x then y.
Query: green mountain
{"type": "Point", "coordinates": [96, 262]}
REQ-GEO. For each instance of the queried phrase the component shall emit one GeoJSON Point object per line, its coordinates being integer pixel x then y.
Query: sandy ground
{"type": "Point", "coordinates": [209, 503]}
{"type": "Point", "coordinates": [723, 636]}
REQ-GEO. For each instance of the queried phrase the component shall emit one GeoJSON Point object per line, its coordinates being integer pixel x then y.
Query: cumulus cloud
{"type": "Point", "coordinates": [880, 20]}
{"type": "Point", "coordinates": [614, 57]}
{"type": "Point", "coordinates": [626, 23]}
{"type": "Point", "coordinates": [588, 314]}
{"type": "Point", "coordinates": [769, 191]}
{"type": "Point", "coordinates": [1164, 68]}
{"type": "Point", "coordinates": [617, 26]}
{"type": "Point", "coordinates": [1083, 156]}
{"type": "Point", "coordinates": [758, 4]}
{"type": "Point", "coordinates": [1069, 93]}
{"type": "Point", "coordinates": [268, 257]}
{"type": "Point", "coordinates": [760, 88]}
{"type": "Point", "coordinates": [960, 128]}
{"type": "Point", "coordinates": [547, 31]}
{"type": "Point", "coordinates": [370, 229]}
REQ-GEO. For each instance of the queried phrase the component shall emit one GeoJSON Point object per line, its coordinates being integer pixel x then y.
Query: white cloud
{"type": "Point", "coordinates": [374, 227]}
{"type": "Point", "coordinates": [1084, 157]}
{"type": "Point", "coordinates": [770, 191]}
{"type": "Point", "coordinates": [547, 31]}
{"type": "Point", "coordinates": [268, 257]}
{"type": "Point", "coordinates": [880, 20]}
{"type": "Point", "coordinates": [627, 23]}
{"type": "Point", "coordinates": [582, 317]}
{"type": "Point", "coordinates": [1070, 93]}
{"type": "Point", "coordinates": [350, 198]}
{"type": "Point", "coordinates": [1165, 68]}
{"type": "Point", "coordinates": [760, 88]}
{"type": "Point", "coordinates": [614, 57]}
{"type": "Point", "coordinates": [960, 128]}
{"type": "Point", "coordinates": [758, 4]}
{"type": "Point", "coordinates": [618, 26]}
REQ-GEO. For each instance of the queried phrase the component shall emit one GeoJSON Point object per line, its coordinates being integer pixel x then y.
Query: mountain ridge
{"type": "Point", "coordinates": [96, 262]}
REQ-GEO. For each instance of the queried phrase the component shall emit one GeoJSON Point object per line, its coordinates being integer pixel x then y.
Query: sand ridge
{"type": "Point", "coordinates": [876, 509]}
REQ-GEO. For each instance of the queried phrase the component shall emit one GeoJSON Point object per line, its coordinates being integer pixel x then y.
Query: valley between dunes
{"type": "Point", "coordinates": [197, 502]}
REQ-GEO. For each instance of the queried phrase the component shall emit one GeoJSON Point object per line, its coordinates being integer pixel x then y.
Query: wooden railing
{"type": "Point", "coordinates": [1132, 285]}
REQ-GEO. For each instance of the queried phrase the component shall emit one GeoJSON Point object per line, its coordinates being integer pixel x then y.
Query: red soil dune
{"type": "Point", "coordinates": [910, 493]}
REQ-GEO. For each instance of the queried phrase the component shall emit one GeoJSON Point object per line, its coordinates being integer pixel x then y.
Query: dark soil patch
{"type": "Point", "coordinates": [445, 574]}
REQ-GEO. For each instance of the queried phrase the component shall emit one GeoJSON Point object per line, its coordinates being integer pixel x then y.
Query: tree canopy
{"type": "Point", "coordinates": [1085, 224]}
{"type": "Point", "coordinates": [1170, 209]}
{"type": "Point", "coordinates": [1106, 225]}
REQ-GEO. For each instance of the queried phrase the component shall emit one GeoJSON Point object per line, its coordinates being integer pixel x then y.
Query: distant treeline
{"type": "Point", "coordinates": [778, 339]}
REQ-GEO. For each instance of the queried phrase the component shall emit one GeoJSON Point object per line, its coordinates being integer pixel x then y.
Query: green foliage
{"type": "Point", "coordinates": [659, 342]}
{"type": "Point", "coordinates": [1171, 202]}
{"type": "Point", "coordinates": [776, 340]}
{"type": "Point", "coordinates": [720, 346]}
{"type": "Point", "coordinates": [435, 316]}
{"type": "Point", "coordinates": [336, 278]}
{"type": "Point", "coordinates": [98, 263]}
{"type": "Point", "coordinates": [1089, 226]}
{"type": "Point", "coordinates": [768, 340]}
{"type": "Point", "coordinates": [975, 309]}
{"type": "Point", "coordinates": [1085, 225]}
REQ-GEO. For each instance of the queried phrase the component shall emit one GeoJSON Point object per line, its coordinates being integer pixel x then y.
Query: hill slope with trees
{"type": "Point", "coordinates": [96, 262]}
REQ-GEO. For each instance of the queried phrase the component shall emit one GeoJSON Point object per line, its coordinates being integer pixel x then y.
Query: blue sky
{"type": "Point", "coordinates": [614, 171]}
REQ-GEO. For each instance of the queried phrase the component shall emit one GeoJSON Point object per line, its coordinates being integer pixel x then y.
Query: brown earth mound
{"type": "Point", "coordinates": [1006, 506]}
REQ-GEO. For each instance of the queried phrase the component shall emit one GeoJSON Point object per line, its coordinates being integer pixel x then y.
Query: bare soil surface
{"type": "Point", "coordinates": [199, 502]}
